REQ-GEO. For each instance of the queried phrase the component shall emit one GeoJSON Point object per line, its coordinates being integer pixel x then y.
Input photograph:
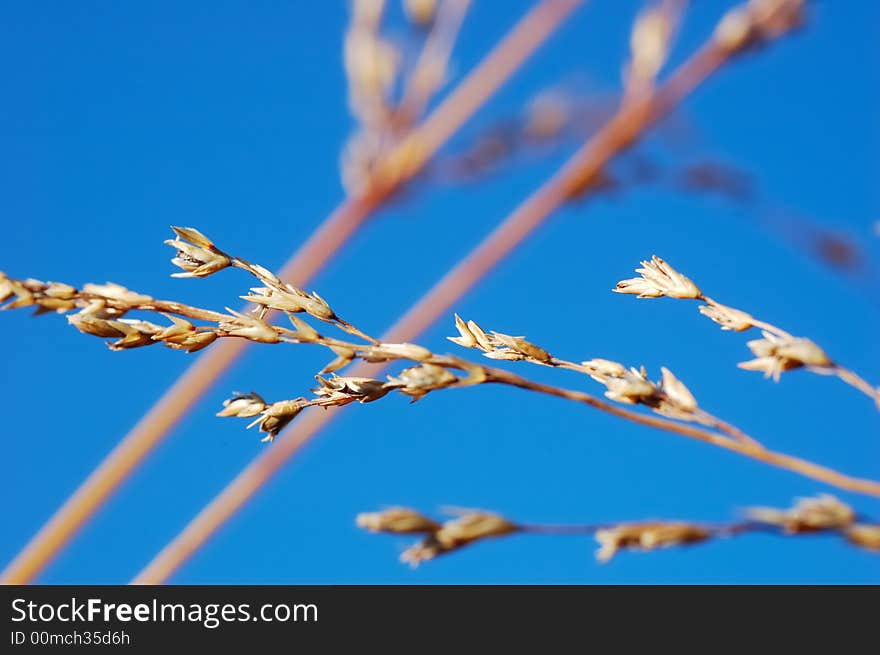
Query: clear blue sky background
{"type": "Point", "coordinates": [120, 119]}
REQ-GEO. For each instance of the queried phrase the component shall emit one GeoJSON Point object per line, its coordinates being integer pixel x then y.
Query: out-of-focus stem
{"type": "Point", "coordinates": [617, 135]}
{"type": "Point", "coordinates": [529, 33]}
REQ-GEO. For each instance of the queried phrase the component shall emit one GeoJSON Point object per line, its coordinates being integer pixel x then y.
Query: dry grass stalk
{"type": "Point", "coordinates": [585, 166]}
{"type": "Point", "coordinates": [404, 163]}
{"type": "Point", "coordinates": [823, 514]}
{"type": "Point", "coordinates": [631, 386]}
{"type": "Point", "coordinates": [776, 352]}
{"type": "Point", "coordinates": [198, 254]}
{"type": "Point", "coordinates": [580, 172]}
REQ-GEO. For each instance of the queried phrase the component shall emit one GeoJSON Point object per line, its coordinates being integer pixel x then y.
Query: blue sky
{"type": "Point", "coordinates": [123, 118]}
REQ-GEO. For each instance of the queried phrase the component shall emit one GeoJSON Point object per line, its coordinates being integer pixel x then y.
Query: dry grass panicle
{"type": "Point", "coordinates": [389, 146]}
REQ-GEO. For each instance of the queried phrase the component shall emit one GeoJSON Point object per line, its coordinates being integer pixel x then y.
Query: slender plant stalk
{"type": "Point", "coordinates": [778, 351]}
{"type": "Point", "coordinates": [498, 65]}
{"type": "Point", "coordinates": [750, 448]}
{"type": "Point", "coordinates": [576, 176]}
{"type": "Point", "coordinates": [823, 514]}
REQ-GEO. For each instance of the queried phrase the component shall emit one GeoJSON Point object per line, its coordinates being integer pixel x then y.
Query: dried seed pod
{"type": "Point", "coordinates": [244, 405]}
{"type": "Point", "coordinates": [7, 288]}
{"type": "Point", "coordinates": [422, 551]}
{"type": "Point", "coordinates": [472, 526]}
{"type": "Point", "coordinates": [117, 293]}
{"type": "Point", "coordinates": [49, 304]}
{"type": "Point", "coordinates": [196, 254]}
{"type": "Point", "coordinates": [727, 317]}
{"type": "Point", "coordinates": [248, 327]}
{"type": "Point", "coordinates": [466, 338]}
{"type": "Point", "coordinates": [315, 305]}
{"type": "Point", "coordinates": [599, 368]}
{"type": "Point", "coordinates": [397, 520]}
{"type": "Point", "coordinates": [280, 300]}
{"type": "Point", "coordinates": [389, 351]}
{"type": "Point", "coordinates": [647, 536]}
{"type": "Point", "coordinates": [675, 391]}
{"type": "Point", "coordinates": [304, 331]}
{"type": "Point", "coordinates": [659, 279]}
{"type": "Point", "coordinates": [99, 327]}
{"type": "Point", "coordinates": [183, 335]}
{"type": "Point", "coordinates": [51, 297]}
{"type": "Point", "coordinates": [191, 342]}
{"type": "Point", "coordinates": [519, 346]}
{"type": "Point", "coordinates": [136, 334]}
{"type": "Point", "coordinates": [864, 535]}
{"type": "Point", "coordinates": [341, 390]}
{"type": "Point", "coordinates": [278, 415]}
{"type": "Point", "coordinates": [265, 274]}
{"type": "Point", "coordinates": [483, 340]}
{"type": "Point", "coordinates": [631, 388]}
{"type": "Point", "coordinates": [179, 328]}
{"type": "Point", "coordinates": [420, 380]}
{"type": "Point", "coordinates": [804, 351]}
{"type": "Point", "coordinates": [823, 512]}
{"type": "Point", "coordinates": [60, 290]}
{"type": "Point", "coordinates": [24, 297]}
{"type": "Point", "coordinates": [776, 354]}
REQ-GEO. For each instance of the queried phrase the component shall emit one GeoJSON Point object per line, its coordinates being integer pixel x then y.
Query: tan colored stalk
{"type": "Point", "coordinates": [822, 514]}
{"type": "Point", "coordinates": [737, 30]}
{"type": "Point", "coordinates": [778, 351]}
{"type": "Point", "coordinates": [504, 59]}
{"type": "Point", "coordinates": [103, 309]}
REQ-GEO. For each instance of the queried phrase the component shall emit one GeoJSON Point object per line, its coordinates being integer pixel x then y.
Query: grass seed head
{"type": "Point", "coordinates": [244, 405]}
{"type": "Point", "coordinates": [775, 355]}
{"type": "Point", "coordinates": [341, 390]}
{"type": "Point", "coordinates": [865, 535]}
{"type": "Point", "coordinates": [631, 388]}
{"type": "Point", "coordinates": [248, 327]}
{"type": "Point", "coordinates": [600, 368]}
{"type": "Point", "coordinates": [397, 520]}
{"type": "Point", "coordinates": [823, 512]}
{"type": "Point", "coordinates": [384, 352]}
{"type": "Point", "coordinates": [674, 390]}
{"type": "Point", "coordinates": [136, 334]}
{"type": "Point", "coordinates": [196, 254]}
{"type": "Point", "coordinates": [418, 381]}
{"type": "Point", "coordinates": [727, 317]}
{"type": "Point", "coordinates": [99, 327]}
{"type": "Point", "coordinates": [277, 416]}
{"type": "Point", "coordinates": [659, 279]}
{"type": "Point", "coordinates": [647, 536]}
